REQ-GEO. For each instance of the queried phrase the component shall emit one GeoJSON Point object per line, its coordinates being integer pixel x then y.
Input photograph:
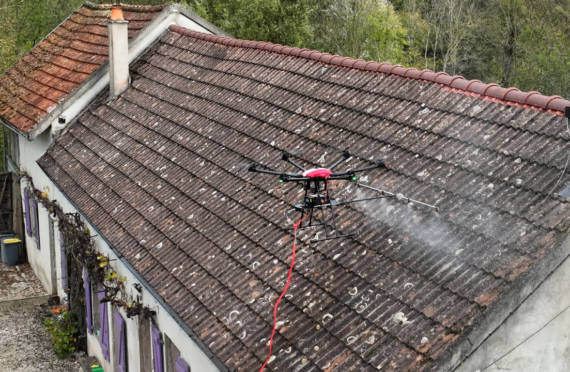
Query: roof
{"type": "Point", "coordinates": [57, 65]}
{"type": "Point", "coordinates": [156, 171]}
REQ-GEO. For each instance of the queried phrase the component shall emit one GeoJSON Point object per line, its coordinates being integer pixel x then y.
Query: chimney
{"type": "Point", "coordinates": [118, 52]}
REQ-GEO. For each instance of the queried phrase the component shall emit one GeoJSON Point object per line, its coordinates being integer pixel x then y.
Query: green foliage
{"type": "Point", "coordinates": [63, 333]}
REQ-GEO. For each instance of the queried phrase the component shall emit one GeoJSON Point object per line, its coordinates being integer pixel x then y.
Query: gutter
{"type": "Point", "coordinates": [157, 297]}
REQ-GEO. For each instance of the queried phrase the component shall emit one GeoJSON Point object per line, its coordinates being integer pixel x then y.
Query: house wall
{"type": "Point", "coordinates": [41, 259]}
{"type": "Point", "coordinates": [548, 349]}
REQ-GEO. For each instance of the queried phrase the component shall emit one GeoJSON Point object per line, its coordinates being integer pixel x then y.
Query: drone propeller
{"type": "Point", "coordinates": [249, 166]}
{"type": "Point", "coordinates": [244, 165]}
{"type": "Point", "coordinates": [336, 150]}
{"type": "Point", "coordinates": [296, 152]}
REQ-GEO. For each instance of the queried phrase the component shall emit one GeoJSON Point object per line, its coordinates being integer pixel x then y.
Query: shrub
{"type": "Point", "coordinates": [63, 332]}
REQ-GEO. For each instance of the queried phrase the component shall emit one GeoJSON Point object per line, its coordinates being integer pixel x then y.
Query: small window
{"type": "Point", "coordinates": [27, 210]}
{"type": "Point", "coordinates": [95, 313]}
{"type": "Point", "coordinates": [181, 365]}
{"type": "Point", "coordinates": [120, 352]}
{"type": "Point", "coordinates": [104, 323]}
{"type": "Point", "coordinates": [32, 220]}
{"type": "Point", "coordinates": [157, 350]}
{"type": "Point", "coordinates": [88, 299]}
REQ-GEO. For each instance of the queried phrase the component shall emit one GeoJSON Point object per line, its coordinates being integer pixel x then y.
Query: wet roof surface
{"type": "Point", "coordinates": [47, 74]}
{"type": "Point", "coordinates": [157, 171]}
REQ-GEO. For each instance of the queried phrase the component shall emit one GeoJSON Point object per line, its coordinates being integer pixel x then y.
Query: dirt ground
{"type": "Point", "coordinates": [19, 282]}
{"type": "Point", "coordinates": [24, 345]}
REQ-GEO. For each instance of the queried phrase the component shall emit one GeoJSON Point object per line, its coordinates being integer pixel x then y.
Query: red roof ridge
{"type": "Point", "coordinates": [126, 7]}
{"type": "Point", "coordinates": [458, 84]}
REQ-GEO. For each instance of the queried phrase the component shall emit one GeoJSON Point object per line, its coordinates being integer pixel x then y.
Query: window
{"type": "Point", "coordinates": [14, 147]}
{"type": "Point", "coordinates": [181, 365]}
{"type": "Point", "coordinates": [32, 221]}
{"type": "Point", "coordinates": [172, 357]}
{"type": "Point", "coordinates": [35, 223]}
{"type": "Point", "coordinates": [95, 312]}
{"type": "Point", "coordinates": [27, 212]}
{"type": "Point", "coordinates": [120, 344]}
{"type": "Point", "coordinates": [88, 300]}
{"type": "Point", "coordinates": [104, 325]}
{"type": "Point", "coordinates": [157, 350]}
{"type": "Point", "coordinates": [64, 283]}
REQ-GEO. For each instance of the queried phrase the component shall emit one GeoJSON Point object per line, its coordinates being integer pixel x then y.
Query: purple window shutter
{"type": "Point", "coordinates": [27, 209]}
{"type": "Point", "coordinates": [88, 299]}
{"type": "Point", "coordinates": [157, 350]}
{"type": "Point", "coordinates": [64, 283]}
{"type": "Point", "coordinates": [181, 365]}
{"type": "Point", "coordinates": [104, 325]}
{"type": "Point", "coordinates": [35, 205]}
{"type": "Point", "coordinates": [121, 357]}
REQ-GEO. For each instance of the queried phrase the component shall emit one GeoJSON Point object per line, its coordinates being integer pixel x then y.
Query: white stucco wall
{"type": "Point", "coordinates": [43, 260]}
{"type": "Point", "coordinates": [546, 351]}
{"type": "Point", "coordinates": [40, 259]}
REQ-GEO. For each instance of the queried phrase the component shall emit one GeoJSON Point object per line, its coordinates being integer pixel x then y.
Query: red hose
{"type": "Point", "coordinates": [295, 226]}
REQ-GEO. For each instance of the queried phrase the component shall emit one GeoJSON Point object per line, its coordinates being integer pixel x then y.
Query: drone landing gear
{"type": "Point", "coordinates": [329, 226]}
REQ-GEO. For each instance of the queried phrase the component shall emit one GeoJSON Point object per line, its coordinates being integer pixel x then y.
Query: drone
{"type": "Point", "coordinates": [317, 196]}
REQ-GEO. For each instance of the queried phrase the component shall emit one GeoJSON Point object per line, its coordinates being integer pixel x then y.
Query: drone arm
{"type": "Point", "coordinates": [287, 157]}
{"type": "Point", "coordinates": [345, 155]}
{"type": "Point", "coordinates": [295, 179]}
{"type": "Point", "coordinates": [253, 168]}
{"type": "Point", "coordinates": [380, 164]}
{"type": "Point", "coordinates": [295, 164]}
{"type": "Point", "coordinates": [266, 171]}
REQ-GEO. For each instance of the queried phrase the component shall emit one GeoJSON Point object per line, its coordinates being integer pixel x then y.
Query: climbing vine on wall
{"type": "Point", "coordinates": [80, 250]}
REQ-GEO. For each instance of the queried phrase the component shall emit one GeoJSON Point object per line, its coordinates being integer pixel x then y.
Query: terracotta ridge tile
{"type": "Point", "coordinates": [491, 92]}
{"type": "Point", "coordinates": [127, 7]}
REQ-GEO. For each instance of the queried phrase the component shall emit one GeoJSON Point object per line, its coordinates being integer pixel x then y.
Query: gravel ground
{"type": "Point", "coordinates": [26, 346]}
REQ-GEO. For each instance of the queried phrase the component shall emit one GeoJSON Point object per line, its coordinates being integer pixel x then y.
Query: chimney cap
{"type": "Point", "coordinates": [116, 13]}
